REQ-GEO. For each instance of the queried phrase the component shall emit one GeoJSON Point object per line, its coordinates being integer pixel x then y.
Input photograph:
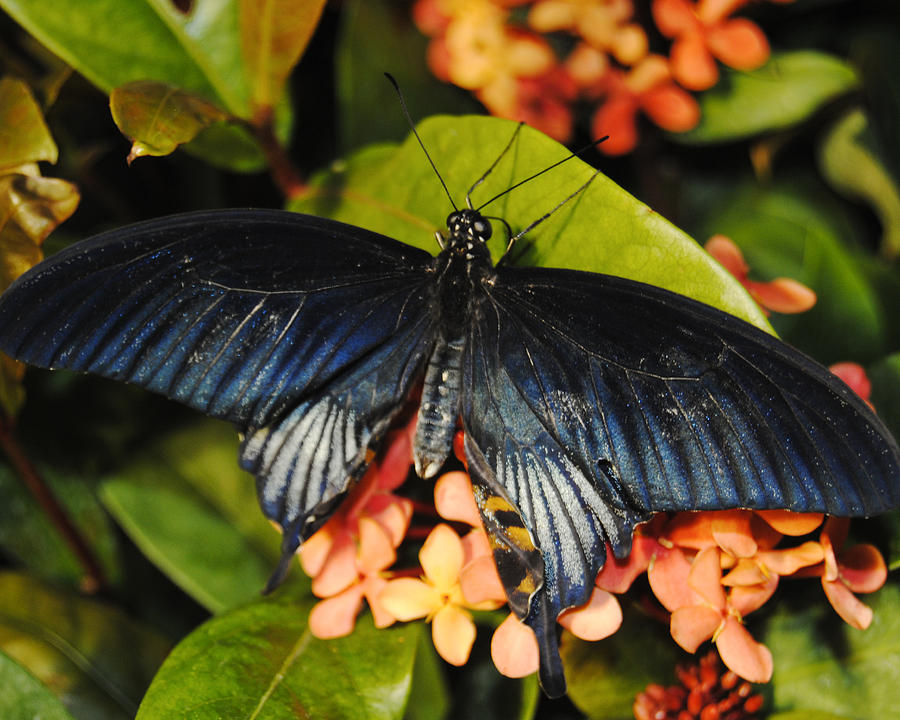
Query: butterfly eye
{"type": "Point", "coordinates": [482, 229]}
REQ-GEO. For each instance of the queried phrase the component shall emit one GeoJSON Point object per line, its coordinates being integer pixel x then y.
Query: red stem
{"type": "Point", "coordinates": [94, 578]}
{"type": "Point", "coordinates": [282, 170]}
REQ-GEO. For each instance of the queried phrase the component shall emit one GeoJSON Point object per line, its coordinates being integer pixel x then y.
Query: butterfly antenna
{"type": "Point", "coordinates": [547, 214]}
{"type": "Point", "coordinates": [493, 164]}
{"type": "Point", "coordinates": [421, 144]}
{"type": "Point", "coordinates": [538, 174]}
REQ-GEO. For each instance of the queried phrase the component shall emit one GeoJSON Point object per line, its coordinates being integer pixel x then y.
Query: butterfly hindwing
{"type": "Point", "coordinates": [305, 333]}
{"type": "Point", "coordinates": [596, 401]}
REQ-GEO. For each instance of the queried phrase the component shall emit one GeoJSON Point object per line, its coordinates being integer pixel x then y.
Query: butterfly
{"type": "Point", "coordinates": [588, 402]}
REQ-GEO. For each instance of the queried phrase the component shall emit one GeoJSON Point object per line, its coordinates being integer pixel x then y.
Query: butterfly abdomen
{"type": "Point", "coordinates": [439, 407]}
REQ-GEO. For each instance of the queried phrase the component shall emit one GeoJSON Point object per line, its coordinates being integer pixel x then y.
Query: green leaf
{"type": "Point", "coordinates": [91, 655]}
{"type": "Point", "coordinates": [28, 536]}
{"type": "Point", "coordinates": [787, 90]}
{"type": "Point", "coordinates": [851, 161]}
{"type": "Point", "coordinates": [393, 190]}
{"type": "Point", "coordinates": [274, 34]}
{"type": "Point", "coordinates": [260, 661]}
{"type": "Point", "coordinates": [24, 137]}
{"type": "Point", "coordinates": [604, 677]}
{"type": "Point", "coordinates": [114, 42]}
{"type": "Point", "coordinates": [822, 664]}
{"type": "Point", "coordinates": [429, 698]}
{"type": "Point", "coordinates": [378, 34]}
{"type": "Point", "coordinates": [24, 698]}
{"type": "Point", "coordinates": [158, 117]}
{"type": "Point", "coordinates": [787, 230]}
{"type": "Point", "coordinates": [194, 514]}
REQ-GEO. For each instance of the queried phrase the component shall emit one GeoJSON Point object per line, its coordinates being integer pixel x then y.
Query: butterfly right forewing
{"type": "Point", "coordinates": [306, 333]}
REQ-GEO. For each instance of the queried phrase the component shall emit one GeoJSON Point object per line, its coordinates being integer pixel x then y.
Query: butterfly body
{"type": "Point", "coordinates": [588, 402]}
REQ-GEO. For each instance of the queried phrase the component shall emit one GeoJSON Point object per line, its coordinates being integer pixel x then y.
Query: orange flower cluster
{"type": "Point", "coordinates": [350, 556]}
{"type": "Point", "coordinates": [499, 50]}
{"type": "Point", "coordinates": [712, 569]}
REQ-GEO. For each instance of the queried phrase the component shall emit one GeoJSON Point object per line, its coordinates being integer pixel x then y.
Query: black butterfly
{"type": "Point", "coordinates": [589, 402]}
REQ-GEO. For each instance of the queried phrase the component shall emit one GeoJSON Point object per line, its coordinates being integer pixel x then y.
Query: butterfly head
{"type": "Point", "coordinates": [468, 225]}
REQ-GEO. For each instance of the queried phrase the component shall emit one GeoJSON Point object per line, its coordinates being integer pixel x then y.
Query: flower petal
{"type": "Point", "coordinates": [336, 616]}
{"type": "Point", "coordinates": [668, 574]}
{"type": "Point", "coordinates": [862, 568]}
{"type": "Point", "coordinates": [514, 648]}
{"type": "Point", "coordinates": [671, 108]}
{"type": "Point", "coordinates": [782, 295]}
{"type": "Point", "coordinates": [731, 530]}
{"type": "Point", "coordinates": [691, 625]}
{"type": "Point", "coordinates": [692, 64]}
{"type": "Point", "coordinates": [376, 551]}
{"type": "Point", "coordinates": [455, 500]}
{"type": "Point", "coordinates": [442, 557]}
{"type": "Point", "coordinates": [480, 584]}
{"type": "Point", "coordinates": [314, 550]}
{"type": "Point", "coordinates": [705, 577]}
{"type": "Point", "coordinates": [745, 599]}
{"type": "Point", "coordinates": [853, 612]}
{"type": "Point", "coordinates": [372, 587]}
{"type": "Point", "coordinates": [674, 17]}
{"type": "Point", "coordinates": [339, 571]}
{"type": "Point", "coordinates": [408, 599]}
{"type": "Point", "coordinates": [789, 560]}
{"type": "Point", "coordinates": [598, 619]}
{"type": "Point", "coordinates": [738, 43]}
{"type": "Point", "coordinates": [616, 118]}
{"type": "Point", "coordinates": [453, 634]}
{"type": "Point", "coordinates": [791, 523]}
{"type": "Point", "coordinates": [618, 575]}
{"type": "Point", "coordinates": [742, 654]}
{"type": "Point", "coordinates": [728, 255]}
{"type": "Point", "coordinates": [854, 376]}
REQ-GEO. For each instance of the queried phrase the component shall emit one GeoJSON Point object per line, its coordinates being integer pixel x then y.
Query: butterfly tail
{"type": "Point", "coordinates": [542, 621]}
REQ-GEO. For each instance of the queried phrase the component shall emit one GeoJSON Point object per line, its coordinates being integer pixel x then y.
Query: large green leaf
{"type": "Point", "coordinates": [823, 665]}
{"type": "Point", "coordinates": [91, 655]}
{"type": "Point", "coordinates": [785, 230]}
{"type": "Point", "coordinates": [260, 661]}
{"type": "Point", "coordinates": [193, 513]}
{"type": "Point", "coordinates": [22, 697]}
{"type": "Point", "coordinates": [393, 190]}
{"type": "Point", "coordinates": [783, 92]}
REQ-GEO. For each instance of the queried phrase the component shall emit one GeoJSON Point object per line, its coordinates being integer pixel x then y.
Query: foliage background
{"type": "Point", "coordinates": [799, 166]}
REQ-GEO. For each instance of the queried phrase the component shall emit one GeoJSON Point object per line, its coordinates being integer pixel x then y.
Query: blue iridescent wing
{"type": "Point", "coordinates": [306, 333]}
{"type": "Point", "coordinates": [591, 402]}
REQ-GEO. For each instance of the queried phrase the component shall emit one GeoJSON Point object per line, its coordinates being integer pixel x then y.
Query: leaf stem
{"type": "Point", "coordinates": [284, 174]}
{"type": "Point", "coordinates": [94, 578]}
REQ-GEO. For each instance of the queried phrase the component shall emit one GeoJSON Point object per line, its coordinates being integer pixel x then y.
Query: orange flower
{"type": "Point", "coordinates": [647, 87]}
{"type": "Point", "coordinates": [703, 31]}
{"type": "Point", "coordinates": [715, 615]}
{"type": "Point", "coordinates": [544, 102]}
{"type": "Point", "coordinates": [603, 24]}
{"type": "Point", "coordinates": [781, 295]}
{"type": "Point", "coordinates": [438, 596]}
